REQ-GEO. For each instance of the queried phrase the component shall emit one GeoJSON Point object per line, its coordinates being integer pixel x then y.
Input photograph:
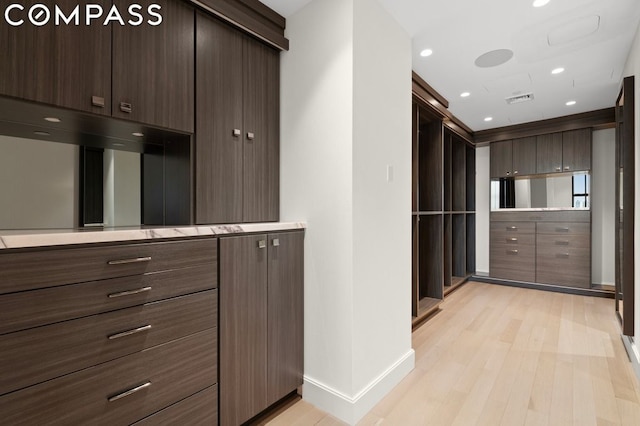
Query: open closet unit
{"type": "Point", "coordinates": [443, 212]}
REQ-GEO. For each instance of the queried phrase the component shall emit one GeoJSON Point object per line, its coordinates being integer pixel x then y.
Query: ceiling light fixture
{"type": "Point", "coordinates": [570, 103]}
{"type": "Point", "coordinates": [426, 52]}
{"type": "Point", "coordinates": [540, 3]}
{"type": "Point", "coordinates": [52, 119]}
{"type": "Point", "coordinates": [557, 70]}
{"type": "Point", "coordinates": [465, 94]}
{"type": "Point", "coordinates": [488, 119]}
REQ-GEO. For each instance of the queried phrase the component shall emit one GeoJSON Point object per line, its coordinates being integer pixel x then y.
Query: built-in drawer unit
{"type": "Point", "coordinates": [195, 410]}
{"type": "Point", "coordinates": [512, 254]}
{"type": "Point", "coordinates": [109, 334]}
{"type": "Point", "coordinates": [563, 254]}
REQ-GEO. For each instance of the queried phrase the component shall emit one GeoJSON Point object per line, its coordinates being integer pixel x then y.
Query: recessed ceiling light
{"type": "Point", "coordinates": [557, 70]}
{"type": "Point", "coordinates": [465, 94]}
{"type": "Point", "coordinates": [41, 133]}
{"type": "Point", "coordinates": [488, 119]}
{"type": "Point", "coordinates": [52, 119]}
{"type": "Point", "coordinates": [426, 52]}
{"type": "Point", "coordinates": [138, 134]}
{"type": "Point", "coordinates": [570, 103]}
{"type": "Point", "coordinates": [540, 3]}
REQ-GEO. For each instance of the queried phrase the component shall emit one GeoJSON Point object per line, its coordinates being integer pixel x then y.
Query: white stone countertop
{"type": "Point", "coordinates": [13, 239]}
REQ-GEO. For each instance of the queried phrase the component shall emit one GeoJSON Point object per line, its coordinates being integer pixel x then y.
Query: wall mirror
{"type": "Point", "coordinates": [625, 195]}
{"type": "Point", "coordinates": [570, 191]}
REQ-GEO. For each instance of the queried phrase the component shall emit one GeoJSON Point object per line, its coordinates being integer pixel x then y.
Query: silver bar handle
{"type": "Point", "coordinates": [129, 292]}
{"type": "Point", "coordinates": [262, 244]}
{"type": "Point", "coordinates": [512, 251]}
{"type": "Point", "coordinates": [567, 168]}
{"type": "Point", "coordinates": [97, 101]}
{"type": "Point", "coordinates": [558, 169]}
{"type": "Point", "coordinates": [251, 136]}
{"type": "Point", "coordinates": [127, 261]}
{"type": "Point", "coordinates": [565, 229]}
{"type": "Point", "coordinates": [562, 255]}
{"type": "Point", "coordinates": [276, 242]}
{"type": "Point", "coordinates": [562, 242]}
{"type": "Point", "coordinates": [512, 240]}
{"type": "Point", "coordinates": [512, 228]}
{"type": "Point", "coordinates": [129, 392]}
{"type": "Point", "coordinates": [129, 332]}
{"type": "Point", "coordinates": [126, 107]}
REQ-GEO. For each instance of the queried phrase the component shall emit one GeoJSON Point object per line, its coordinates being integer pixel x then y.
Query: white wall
{"type": "Point", "coordinates": [345, 116]}
{"type": "Point", "coordinates": [483, 195]}
{"type": "Point", "coordinates": [38, 184]}
{"type": "Point", "coordinates": [603, 207]}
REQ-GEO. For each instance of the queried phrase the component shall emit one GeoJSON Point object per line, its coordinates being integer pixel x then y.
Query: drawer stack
{"type": "Point", "coordinates": [115, 335]}
{"type": "Point", "coordinates": [563, 253]}
{"type": "Point", "coordinates": [513, 250]}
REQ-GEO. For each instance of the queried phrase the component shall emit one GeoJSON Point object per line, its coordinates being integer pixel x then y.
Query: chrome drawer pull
{"type": "Point", "coordinates": [512, 251]}
{"type": "Point", "coordinates": [129, 292]}
{"type": "Point", "coordinates": [565, 255]}
{"type": "Point", "coordinates": [262, 244]}
{"type": "Point", "coordinates": [236, 132]}
{"type": "Point", "coordinates": [562, 243]}
{"type": "Point", "coordinates": [251, 136]}
{"type": "Point", "coordinates": [129, 332]}
{"type": "Point", "coordinates": [512, 228]}
{"type": "Point", "coordinates": [562, 229]}
{"type": "Point", "coordinates": [127, 261]}
{"type": "Point", "coordinates": [512, 240]}
{"type": "Point", "coordinates": [276, 242]}
{"type": "Point", "coordinates": [129, 392]}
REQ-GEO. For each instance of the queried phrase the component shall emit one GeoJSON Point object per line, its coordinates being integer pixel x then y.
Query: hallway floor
{"type": "Point", "coordinates": [499, 355]}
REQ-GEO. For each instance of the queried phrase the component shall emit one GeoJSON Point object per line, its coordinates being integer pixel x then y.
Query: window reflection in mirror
{"type": "Point", "coordinates": [552, 192]}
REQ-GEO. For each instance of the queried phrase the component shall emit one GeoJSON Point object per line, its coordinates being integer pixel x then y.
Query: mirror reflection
{"type": "Point", "coordinates": [552, 192]}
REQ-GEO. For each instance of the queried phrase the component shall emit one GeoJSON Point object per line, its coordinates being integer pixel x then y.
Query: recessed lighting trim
{"type": "Point", "coordinates": [540, 3]}
{"type": "Point", "coordinates": [570, 103]}
{"type": "Point", "coordinates": [557, 70]}
{"type": "Point", "coordinates": [488, 118]}
{"type": "Point", "coordinates": [465, 94]}
{"type": "Point", "coordinates": [52, 119]}
{"type": "Point", "coordinates": [138, 134]}
{"type": "Point", "coordinates": [426, 52]}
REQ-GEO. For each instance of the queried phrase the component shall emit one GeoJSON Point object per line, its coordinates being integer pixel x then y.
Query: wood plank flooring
{"type": "Point", "coordinates": [501, 355]}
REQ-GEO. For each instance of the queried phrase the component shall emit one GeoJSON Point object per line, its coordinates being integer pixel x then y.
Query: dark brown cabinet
{"type": "Point", "coordinates": [153, 68]}
{"type": "Point", "coordinates": [64, 65]}
{"type": "Point", "coordinates": [237, 126]}
{"type": "Point", "coordinates": [501, 159]}
{"type": "Point", "coordinates": [576, 150]}
{"type": "Point", "coordinates": [524, 156]}
{"type": "Point", "coordinates": [549, 153]}
{"type": "Point", "coordinates": [261, 322]}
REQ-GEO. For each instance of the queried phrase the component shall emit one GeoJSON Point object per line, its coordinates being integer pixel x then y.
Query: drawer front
{"type": "Point", "coordinates": [561, 242]}
{"type": "Point", "coordinates": [198, 409]}
{"type": "Point", "coordinates": [564, 228]}
{"type": "Point", "coordinates": [162, 376]}
{"type": "Point", "coordinates": [503, 239]}
{"type": "Point", "coordinates": [43, 353]}
{"type": "Point", "coordinates": [520, 258]}
{"type": "Point", "coordinates": [514, 227]}
{"type": "Point", "coordinates": [19, 311]}
{"type": "Point", "coordinates": [28, 270]}
{"type": "Point", "coordinates": [528, 275]}
{"type": "Point", "coordinates": [569, 266]}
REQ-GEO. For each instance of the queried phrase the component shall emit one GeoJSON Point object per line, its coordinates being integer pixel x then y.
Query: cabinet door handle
{"type": "Point", "coordinates": [251, 136]}
{"type": "Point", "coordinates": [127, 261]}
{"type": "Point", "coordinates": [129, 332]}
{"type": "Point", "coordinates": [129, 292]}
{"type": "Point", "coordinates": [97, 101]}
{"type": "Point", "coordinates": [567, 168]}
{"type": "Point", "coordinates": [512, 228]}
{"type": "Point", "coordinates": [562, 243]}
{"type": "Point", "coordinates": [563, 255]}
{"type": "Point", "coordinates": [558, 169]}
{"type": "Point", "coordinates": [563, 229]}
{"type": "Point", "coordinates": [276, 242]}
{"type": "Point", "coordinates": [508, 173]}
{"type": "Point", "coordinates": [262, 244]}
{"type": "Point", "coordinates": [236, 133]}
{"type": "Point", "coordinates": [512, 240]}
{"type": "Point", "coordinates": [515, 172]}
{"type": "Point", "coordinates": [129, 392]}
{"type": "Point", "coordinates": [512, 251]}
{"type": "Point", "coordinates": [125, 107]}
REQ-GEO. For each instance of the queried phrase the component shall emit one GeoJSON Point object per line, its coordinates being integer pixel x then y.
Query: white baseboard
{"type": "Point", "coordinates": [351, 409]}
{"type": "Point", "coordinates": [632, 352]}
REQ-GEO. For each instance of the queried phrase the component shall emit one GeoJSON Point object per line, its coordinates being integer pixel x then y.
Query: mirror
{"type": "Point", "coordinates": [625, 199]}
{"type": "Point", "coordinates": [545, 192]}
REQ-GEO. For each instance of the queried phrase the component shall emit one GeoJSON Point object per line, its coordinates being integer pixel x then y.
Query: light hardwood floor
{"type": "Point", "coordinates": [500, 355]}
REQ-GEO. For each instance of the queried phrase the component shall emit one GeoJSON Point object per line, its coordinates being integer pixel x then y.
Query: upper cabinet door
{"type": "Point", "coordinates": [261, 132]}
{"type": "Point", "coordinates": [63, 65]}
{"type": "Point", "coordinates": [549, 153]}
{"type": "Point", "coordinates": [219, 128]}
{"type": "Point", "coordinates": [501, 159]}
{"type": "Point", "coordinates": [576, 150]}
{"type": "Point", "coordinates": [153, 68]}
{"type": "Point", "coordinates": [524, 156]}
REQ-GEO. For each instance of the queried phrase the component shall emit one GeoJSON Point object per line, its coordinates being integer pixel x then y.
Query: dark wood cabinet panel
{"type": "Point", "coordinates": [549, 153]}
{"type": "Point", "coordinates": [261, 132]}
{"type": "Point", "coordinates": [153, 68]}
{"type": "Point", "coordinates": [430, 165]}
{"type": "Point", "coordinates": [576, 150]}
{"type": "Point", "coordinates": [243, 328]}
{"type": "Point", "coordinates": [63, 65]}
{"type": "Point", "coordinates": [198, 409]}
{"type": "Point", "coordinates": [524, 156]}
{"type": "Point", "coordinates": [219, 142]}
{"type": "Point", "coordinates": [286, 316]}
{"type": "Point", "coordinates": [501, 159]}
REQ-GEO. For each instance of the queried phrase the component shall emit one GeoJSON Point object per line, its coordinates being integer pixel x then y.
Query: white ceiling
{"type": "Point", "coordinates": [589, 38]}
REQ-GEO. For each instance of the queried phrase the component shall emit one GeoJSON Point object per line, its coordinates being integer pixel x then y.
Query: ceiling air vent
{"type": "Point", "coordinates": [519, 98]}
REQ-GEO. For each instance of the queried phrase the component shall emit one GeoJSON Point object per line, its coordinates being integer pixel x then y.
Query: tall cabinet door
{"type": "Point", "coordinates": [243, 328]}
{"type": "Point", "coordinates": [524, 156]}
{"type": "Point", "coordinates": [261, 132]}
{"type": "Point", "coordinates": [219, 135]}
{"type": "Point", "coordinates": [286, 315]}
{"type": "Point", "coordinates": [549, 153]}
{"type": "Point", "coordinates": [63, 65]}
{"type": "Point", "coordinates": [501, 159]}
{"type": "Point", "coordinates": [153, 68]}
{"type": "Point", "coordinates": [576, 150]}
